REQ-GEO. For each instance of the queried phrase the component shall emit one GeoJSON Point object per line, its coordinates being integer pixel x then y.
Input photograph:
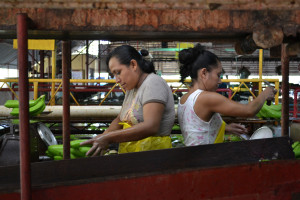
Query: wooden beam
{"type": "Point", "coordinates": [245, 46]}
{"type": "Point", "coordinates": [267, 36]}
{"type": "Point", "coordinates": [143, 24]}
{"type": "Point", "coordinates": [154, 4]}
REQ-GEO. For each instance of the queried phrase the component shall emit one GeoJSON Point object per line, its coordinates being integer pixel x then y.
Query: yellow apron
{"type": "Point", "coordinates": [221, 133]}
{"type": "Point", "coordinates": [146, 144]}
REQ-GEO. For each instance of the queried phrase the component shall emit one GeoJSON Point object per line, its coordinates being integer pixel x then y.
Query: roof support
{"type": "Point", "coordinates": [285, 91]}
{"type": "Point", "coordinates": [66, 66]}
{"type": "Point", "coordinates": [25, 170]}
{"type": "Point", "coordinates": [42, 63]}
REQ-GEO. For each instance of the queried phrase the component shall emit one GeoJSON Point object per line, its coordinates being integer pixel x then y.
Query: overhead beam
{"type": "Point", "coordinates": [154, 4]}
{"type": "Point", "coordinates": [143, 24]}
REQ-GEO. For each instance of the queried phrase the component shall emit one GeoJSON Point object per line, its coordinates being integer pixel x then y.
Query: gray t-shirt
{"type": "Point", "coordinates": [153, 89]}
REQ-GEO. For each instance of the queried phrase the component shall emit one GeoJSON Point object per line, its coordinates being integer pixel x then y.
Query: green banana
{"type": "Point", "coordinates": [295, 144]}
{"type": "Point", "coordinates": [56, 150]}
{"type": "Point", "coordinates": [176, 128]}
{"type": "Point", "coordinates": [297, 151]}
{"type": "Point", "coordinates": [34, 110]}
{"type": "Point", "coordinates": [58, 157]}
{"type": "Point", "coordinates": [273, 114]}
{"type": "Point", "coordinates": [61, 157]}
{"type": "Point", "coordinates": [38, 108]}
{"type": "Point", "coordinates": [76, 144]}
{"type": "Point", "coordinates": [49, 154]}
{"type": "Point", "coordinates": [272, 111]}
{"type": "Point", "coordinates": [15, 103]}
{"type": "Point", "coordinates": [275, 107]}
{"type": "Point", "coordinates": [77, 153]}
{"type": "Point", "coordinates": [15, 112]}
{"type": "Point", "coordinates": [84, 149]}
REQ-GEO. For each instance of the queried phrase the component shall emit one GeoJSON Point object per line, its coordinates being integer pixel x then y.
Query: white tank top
{"type": "Point", "coordinates": [194, 130]}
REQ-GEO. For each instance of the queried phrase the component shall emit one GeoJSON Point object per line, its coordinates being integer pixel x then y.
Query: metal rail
{"type": "Point", "coordinates": [180, 88]}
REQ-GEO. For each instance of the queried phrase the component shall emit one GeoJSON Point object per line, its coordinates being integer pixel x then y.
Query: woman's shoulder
{"type": "Point", "coordinates": [155, 81]}
{"type": "Point", "coordinates": [184, 98]}
{"type": "Point", "coordinates": [209, 97]}
{"type": "Point", "coordinates": [153, 76]}
{"type": "Point", "coordinates": [188, 95]}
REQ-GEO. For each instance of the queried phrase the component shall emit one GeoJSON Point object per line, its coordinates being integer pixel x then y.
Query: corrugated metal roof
{"type": "Point", "coordinates": [8, 56]}
{"type": "Point", "coordinates": [167, 61]}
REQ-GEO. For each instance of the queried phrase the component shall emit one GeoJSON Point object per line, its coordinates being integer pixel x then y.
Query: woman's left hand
{"type": "Point", "coordinates": [100, 144]}
{"type": "Point", "coordinates": [235, 128]}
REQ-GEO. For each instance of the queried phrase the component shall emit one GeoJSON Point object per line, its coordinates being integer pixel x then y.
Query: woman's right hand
{"type": "Point", "coordinates": [269, 93]}
{"type": "Point", "coordinates": [100, 144]}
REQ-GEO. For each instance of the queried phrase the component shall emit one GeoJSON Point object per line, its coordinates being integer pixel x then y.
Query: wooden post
{"type": "Point", "coordinates": [66, 66]}
{"type": "Point", "coordinates": [285, 91]}
{"type": "Point", "coordinates": [25, 170]}
{"type": "Point", "coordinates": [261, 56]}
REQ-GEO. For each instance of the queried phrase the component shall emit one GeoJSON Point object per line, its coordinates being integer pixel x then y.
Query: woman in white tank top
{"type": "Point", "coordinates": [198, 110]}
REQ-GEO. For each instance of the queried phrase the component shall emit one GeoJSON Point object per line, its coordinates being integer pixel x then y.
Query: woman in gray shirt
{"type": "Point", "coordinates": [147, 112]}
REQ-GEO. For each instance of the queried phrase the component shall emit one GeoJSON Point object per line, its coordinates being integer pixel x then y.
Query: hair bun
{"type": "Point", "coordinates": [144, 52]}
{"type": "Point", "coordinates": [187, 56]}
{"type": "Point", "coordinates": [199, 49]}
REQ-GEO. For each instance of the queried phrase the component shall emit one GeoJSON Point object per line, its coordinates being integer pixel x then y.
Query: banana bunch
{"type": "Point", "coordinates": [296, 149]}
{"type": "Point", "coordinates": [35, 106]}
{"type": "Point", "coordinates": [76, 151]}
{"type": "Point", "coordinates": [272, 111]}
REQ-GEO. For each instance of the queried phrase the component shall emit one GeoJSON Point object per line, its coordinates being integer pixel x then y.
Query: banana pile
{"type": "Point", "coordinates": [35, 106]}
{"type": "Point", "coordinates": [76, 150]}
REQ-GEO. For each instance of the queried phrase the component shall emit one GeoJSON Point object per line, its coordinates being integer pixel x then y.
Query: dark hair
{"type": "Point", "coordinates": [193, 59]}
{"type": "Point", "coordinates": [126, 53]}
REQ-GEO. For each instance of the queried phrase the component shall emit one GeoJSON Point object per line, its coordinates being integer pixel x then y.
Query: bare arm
{"type": "Point", "coordinates": [152, 113]}
{"type": "Point", "coordinates": [214, 102]}
{"type": "Point", "coordinates": [114, 125]}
